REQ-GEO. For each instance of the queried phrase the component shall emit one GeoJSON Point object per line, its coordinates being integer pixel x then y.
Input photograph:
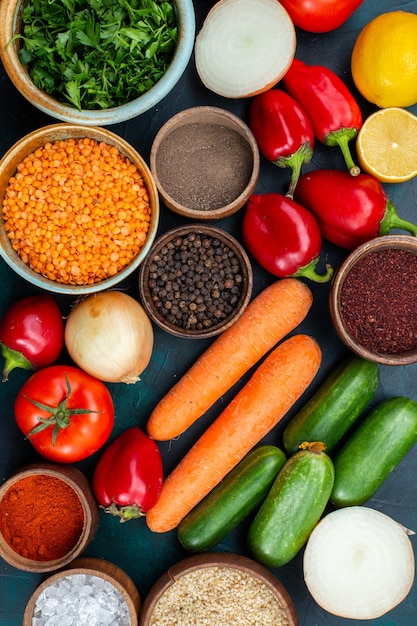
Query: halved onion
{"type": "Point", "coordinates": [244, 47]}
{"type": "Point", "coordinates": [358, 563]}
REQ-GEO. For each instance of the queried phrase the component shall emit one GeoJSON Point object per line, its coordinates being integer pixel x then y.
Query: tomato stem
{"type": "Point", "coordinates": [60, 416]}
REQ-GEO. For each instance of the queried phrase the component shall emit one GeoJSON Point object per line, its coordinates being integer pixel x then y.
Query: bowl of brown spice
{"type": "Point", "coordinates": [79, 209]}
{"type": "Point", "coordinates": [48, 516]}
{"type": "Point", "coordinates": [196, 281]}
{"type": "Point", "coordinates": [205, 162]}
{"type": "Point", "coordinates": [373, 300]}
{"type": "Point", "coordinates": [216, 588]}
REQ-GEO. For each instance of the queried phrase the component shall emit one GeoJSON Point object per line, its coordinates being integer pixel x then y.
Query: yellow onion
{"type": "Point", "coordinates": [109, 336]}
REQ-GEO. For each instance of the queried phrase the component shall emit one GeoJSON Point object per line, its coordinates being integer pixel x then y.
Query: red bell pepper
{"type": "Point", "coordinates": [332, 109]}
{"type": "Point", "coordinates": [128, 477]}
{"type": "Point", "coordinates": [283, 237]}
{"type": "Point", "coordinates": [350, 210]}
{"type": "Point", "coordinates": [283, 131]}
{"type": "Point", "coordinates": [31, 333]}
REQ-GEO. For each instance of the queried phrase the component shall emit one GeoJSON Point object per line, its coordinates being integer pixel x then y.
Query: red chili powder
{"type": "Point", "coordinates": [378, 301]}
{"type": "Point", "coordinates": [41, 517]}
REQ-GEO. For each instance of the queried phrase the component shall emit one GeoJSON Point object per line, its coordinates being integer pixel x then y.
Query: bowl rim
{"type": "Point", "coordinates": [404, 242]}
{"type": "Point", "coordinates": [79, 483]}
{"type": "Point", "coordinates": [9, 15]}
{"type": "Point", "coordinates": [92, 566]}
{"type": "Point", "coordinates": [224, 116]}
{"type": "Point", "coordinates": [244, 261]}
{"type": "Point", "coordinates": [217, 559]}
{"type": "Point", "coordinates": [58, 131]}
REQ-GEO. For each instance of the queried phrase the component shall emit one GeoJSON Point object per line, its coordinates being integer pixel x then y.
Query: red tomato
{"type": "Point", "coordinates": [31, 333]}
{"type": "Point", "coordinates": [66, 414]}
{"type": "Point", "coordinates": [320, 16]}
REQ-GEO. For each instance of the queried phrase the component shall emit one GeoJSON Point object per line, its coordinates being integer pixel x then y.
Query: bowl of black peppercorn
{"type": "Point", "coordinates": [373, 300]}
{"type": "Point", "coordinates": [196, 281]}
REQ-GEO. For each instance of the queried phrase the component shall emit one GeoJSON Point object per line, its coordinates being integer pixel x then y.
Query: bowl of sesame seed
{"type": "Point", "coordinates": [218, 588]}
{"type": "Point", "coordinates": [196, 281]}
{"type": "Point", "coordinates": [79, 209]}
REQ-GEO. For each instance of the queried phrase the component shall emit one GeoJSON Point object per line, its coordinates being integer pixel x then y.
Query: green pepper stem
{"type": "Point", "coordinates": [295, 162]}
{"type": "Point", "coordinates": [341, 138]}
{"type": "Point", "coordinates": [309, 271]}
{"type": "Point", "coordinates": [124, 513]}
{"type": "Point", "coordinates": [13, 358]}
{"type": "Point", "coordinates": [392, 220]}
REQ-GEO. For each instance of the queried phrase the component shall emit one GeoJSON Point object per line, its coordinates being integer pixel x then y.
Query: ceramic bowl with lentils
{"type": "Point", "coordinates": [196, 281]}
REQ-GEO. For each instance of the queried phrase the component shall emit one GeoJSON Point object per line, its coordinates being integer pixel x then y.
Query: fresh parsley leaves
{"type": "Point", "coordinates": [97, 54]}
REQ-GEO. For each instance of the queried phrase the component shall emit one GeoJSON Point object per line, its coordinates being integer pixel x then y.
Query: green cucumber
{"type": "Point", "coordinates": [293, 507]}
{"type": "Point", "coordinates": [335, 406]}
{"type": "Point", "coordinates": [239, 493]}
{"type": "Point", "coordinates": [374, 450]}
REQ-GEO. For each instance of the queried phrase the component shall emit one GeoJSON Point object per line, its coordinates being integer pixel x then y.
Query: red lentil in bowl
{"type": "Point", "coordinates": [79, 208]}
{"type": "Point", "coordinates": [196, 281]}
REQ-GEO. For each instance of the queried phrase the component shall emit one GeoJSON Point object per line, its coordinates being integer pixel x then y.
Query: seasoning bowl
{"type": "Point", "coordinates": [373, 300]}
{"type": "Point", "coordinates": [99, 574]}
{"type": "Point", "coordinates": [196, 281]}
{"type": "Point", "coordinates": [205, 161]}
{"type": "Point", "coordinates": [10, 26]}
{"type": "Point", "coordinates": [83, 285]}
{"type": "Point", "coordinates": [218, 582]}
{"type": "Point", "coordinates": [54, 524]}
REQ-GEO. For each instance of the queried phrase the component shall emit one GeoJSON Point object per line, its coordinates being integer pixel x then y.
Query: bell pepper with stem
{"type": "Point", "coordinates": [283, 131]}
{"type": "Point", "coordinates": [349, 210]}
{"type": "Point", "coordinates": [128, 478]}
{"type": "Point", "coordinates": [283, 237]}
{"type": "Point", "coordinates": [333, 111]}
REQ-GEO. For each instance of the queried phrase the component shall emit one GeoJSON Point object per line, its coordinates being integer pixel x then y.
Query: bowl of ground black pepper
{"type": "Point", "coordinates": [196, 281]}
{"type": "Point", "coordinates": [218, 588]}
{"type": "Point", "coordinates": [48, 516]}
{"type": "Point", "coordinates": [205, 162]}
{"type": "Point", "coordinates": [373, 300]}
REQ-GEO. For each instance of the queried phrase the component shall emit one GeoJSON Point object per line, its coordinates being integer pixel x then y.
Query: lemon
{"type": "Point", "coordinates": [387, 145]}
{"type": "Point", "coordinates": [384, 60]}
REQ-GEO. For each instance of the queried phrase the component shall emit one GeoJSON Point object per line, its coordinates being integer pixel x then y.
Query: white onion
{"type": "Point", "coordinates": [244, 47]}
{"type": "Point", "coordinates": [110, 337]}
{"type": "Point", "coordinates": [358, 563]}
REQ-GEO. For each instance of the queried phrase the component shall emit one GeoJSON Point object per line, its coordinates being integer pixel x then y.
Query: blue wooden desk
{"type": "Point", "coordinates": [142, 554]}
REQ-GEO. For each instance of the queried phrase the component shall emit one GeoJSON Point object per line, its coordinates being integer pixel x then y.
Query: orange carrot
{"type": "Point", "coordinates": [272, 390]}
{"type": "Point", "coordinates": [275, 312]}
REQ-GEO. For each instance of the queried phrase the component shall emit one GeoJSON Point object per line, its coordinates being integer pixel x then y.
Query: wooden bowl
{"type": "Point", "coordinates": [10, 25]}
{"type": "Point", "coordinates": [105, 570]}
{"type": "Point", "coordinates": [205, 162]}
{"type": "Point", "coordinates": [238, 294]}
{"type": "Point", "coordinates": [219, 570]}
{"type": "Point", "coordinates": [366, 319]}
{"type": "Point", "coordinates": [80, 485]}
{"type": "Point", "coordinates": [55, 132]}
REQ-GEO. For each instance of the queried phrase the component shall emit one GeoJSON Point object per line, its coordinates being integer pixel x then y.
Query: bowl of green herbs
{"type": "Point", "coordinates": [96, 62]}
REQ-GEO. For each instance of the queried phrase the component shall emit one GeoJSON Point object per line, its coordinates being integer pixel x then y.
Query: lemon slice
{"type": "Point", "coordinates": [387, 145]}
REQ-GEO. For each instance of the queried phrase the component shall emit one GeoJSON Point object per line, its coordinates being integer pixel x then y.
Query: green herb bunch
{"type": "Point", "coordinates": [97, 54]}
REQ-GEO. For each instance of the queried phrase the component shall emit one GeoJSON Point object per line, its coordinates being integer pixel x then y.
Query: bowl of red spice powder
{"type": "Point", "coordinates": [373, 300]}
{"type": "Point", "coordinates": [218, 588]}
{"type": "Point", "coordinates": [48, 516]}
{"type": "Point", "coordinates": [79, 209]}
{"type": "Point", "coordinates": [205, 162]}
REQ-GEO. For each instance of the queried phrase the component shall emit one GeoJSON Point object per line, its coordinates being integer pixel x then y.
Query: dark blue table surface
{"type": "Point", "coordinates": [142, 554]}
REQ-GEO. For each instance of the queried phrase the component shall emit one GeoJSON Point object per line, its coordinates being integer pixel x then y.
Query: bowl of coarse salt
{"type": "Point", "coordinates": [211, 588]}
{"type": "Point", "coordinates": [91, 591]}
